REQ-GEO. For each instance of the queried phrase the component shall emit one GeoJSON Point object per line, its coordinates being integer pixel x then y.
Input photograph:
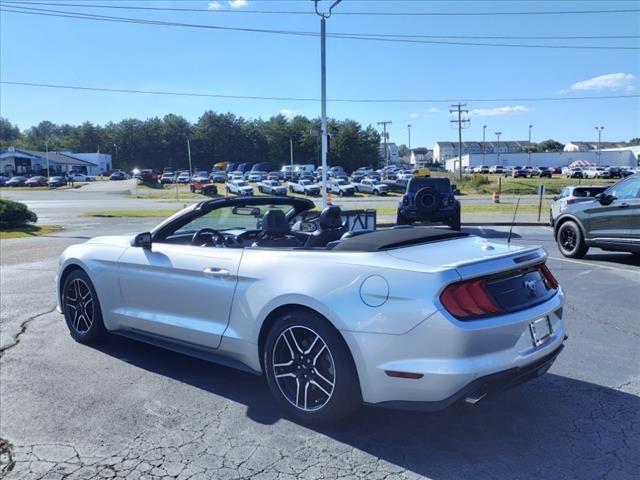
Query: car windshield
{"type": "Point", "coordinates": [442, 185]}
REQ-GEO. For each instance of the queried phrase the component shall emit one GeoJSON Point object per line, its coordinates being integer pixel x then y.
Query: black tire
{"type": "Point", "coordinates": [570, 240]}
{"type": "Point", "coordinates": [192, 188]}
{"type": "Point", "coordinates": [551, 222]}
{"type": "Point", "coordinates": [315, 364]}
{"type": "Point", "coordinates": [455, 223]}
{"type": "Point", "coordinates": [427, 200]}
{"type": "Point", "coordinates": [341, 193]}
{"type": "Point", "coordinates": [81, 308]}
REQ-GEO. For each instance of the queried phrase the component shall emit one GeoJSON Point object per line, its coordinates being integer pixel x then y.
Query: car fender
{"type": "Point", "coordinates": [564, 217]}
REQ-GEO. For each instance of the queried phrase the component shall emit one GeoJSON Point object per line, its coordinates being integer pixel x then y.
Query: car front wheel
{"type": "Point", "coordinates": [309, 368]}
{"type": "Point", "coordinates": [81, 308]}
{"type": "Point", "coordinates": [570, 240]}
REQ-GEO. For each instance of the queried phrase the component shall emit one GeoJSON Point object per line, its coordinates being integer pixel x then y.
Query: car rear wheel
{"type": "Point", "coordinates": [570, 240]}
{"type": "Point", "coordinates": [401, 219]}
{"type": "Point", "coordinates": [309, 368]}
{"type": "Point", "coordinates": [81, 308]}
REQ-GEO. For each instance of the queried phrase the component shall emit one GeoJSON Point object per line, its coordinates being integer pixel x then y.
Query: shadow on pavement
{"type": "Point", "coordinates": [620, 258]}
{"type": "Point", "coordinates": [552, 427]}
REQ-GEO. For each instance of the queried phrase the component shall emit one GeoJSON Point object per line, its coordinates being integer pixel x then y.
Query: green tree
{"type": "Point", "coordinates": [9, 133]}
{"type": "Point", "coordinates": [548, 146]}
{"type": "Point", "coordinates": [403, 151]}
{"type": "Point", "coordinates": [635, 141]}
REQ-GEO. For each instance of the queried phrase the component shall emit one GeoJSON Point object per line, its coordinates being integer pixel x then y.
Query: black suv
{"type": "Point", "coordinates": [429, 199]}
{"type": "Point", "coordinates": [611, 221]}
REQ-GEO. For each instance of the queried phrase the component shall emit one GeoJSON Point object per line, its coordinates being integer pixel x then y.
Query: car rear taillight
{"type": "Point", "coordinates": [570, 201]}
{"type": "Point", "coordinates": [405, 200]}
{"type": "Point", "coordinates": [451, 201]}
{"type": "Point", "coordinates": [469, 299]}
{"type": "Point", "coordinates": [548, 276]}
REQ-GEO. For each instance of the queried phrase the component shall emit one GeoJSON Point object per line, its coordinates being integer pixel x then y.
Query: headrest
{"type": "Point", "coordinates": [330, 218]}
{"type": "Point", "coordinates": [275, 222]}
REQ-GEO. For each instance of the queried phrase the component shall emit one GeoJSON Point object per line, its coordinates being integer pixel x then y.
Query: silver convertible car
{"type": "Point", "coordinates": [402, 317]}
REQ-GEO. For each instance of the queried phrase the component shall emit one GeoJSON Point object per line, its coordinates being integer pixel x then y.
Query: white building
{"type": "Point", "coordinates": [393, 152]}
{"type": "Point", "coordinates": [15, 161]}
{"type": "Point", "coordinates": [619, 158]}
{"type": "Point", "coordinates": [587, 146]}
{"type": "Point", "coordinates": [442, 151]}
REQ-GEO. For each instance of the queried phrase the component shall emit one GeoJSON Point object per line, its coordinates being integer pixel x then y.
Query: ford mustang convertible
{"type": "Point", "coordinates": [403, 317]}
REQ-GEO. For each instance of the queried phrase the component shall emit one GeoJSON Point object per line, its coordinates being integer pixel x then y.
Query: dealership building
{"type": "Point", "coordinates": [14, 161]}
{"type": "Point", "coordinates": [618, 158]}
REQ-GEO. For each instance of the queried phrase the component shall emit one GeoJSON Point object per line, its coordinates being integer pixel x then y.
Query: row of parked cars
{"type": "Point", "coordinates": [41, 180]}
{"type": "Point", "coordinates": [598, 172]}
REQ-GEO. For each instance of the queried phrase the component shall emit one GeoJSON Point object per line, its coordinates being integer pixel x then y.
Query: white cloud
{"type": "Point", "coordinates": [238, 3]}
{"type": "Point", "coordinates": [214, 6]}
{"type": "Point", "coordinates": [414, 115]}
{"type": "Point", "coordinates": [287, 113]}
{"type": "Point", "coordinates": [433, 110]}
{"type": "Point", "coordinates": [611, 81]}
{"type": "Point", "coordinates": [492, 112]}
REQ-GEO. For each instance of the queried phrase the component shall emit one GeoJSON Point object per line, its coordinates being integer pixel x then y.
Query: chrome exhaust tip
{"type": "Point", "coordinates": [474, 398]}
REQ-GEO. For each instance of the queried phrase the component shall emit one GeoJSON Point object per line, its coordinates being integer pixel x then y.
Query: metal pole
{"type": "Point", "coordinates": [529, 157]}
{"type": "Point", "coordinates": [386, 148]}
{"type": "Point", "coordinates": [323, 93]}
{"type": "Point", "coordinates": [599, 129]}
{"type": "Point", "coordinates": [409, 127]}
{"type": "Point", "coordinates": [46, 146]}
{"type": "Point", "coordinates": [498, 147]}
{"type": "Point", "coordinates": [291, 149]}
{"type": "Point", "coordinates": [484, 128]}
{"type": "Point", "coordinates": [189, 153]}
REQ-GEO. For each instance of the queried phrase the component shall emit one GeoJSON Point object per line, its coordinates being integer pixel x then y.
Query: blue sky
{"type": "Point", "coordinates": [67, 51]}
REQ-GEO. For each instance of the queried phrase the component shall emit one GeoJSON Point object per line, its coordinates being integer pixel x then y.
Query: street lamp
{"type": "Point", "coordinates": [599, 129]}
{"type": "Point", "coordinates": [484, 128]}
{"type": "Point", "coordinates": [529, 160]}
{"type": "Point", "coordinates": [115, 145]}
{"type": "Point", "coordinates": [46, 147]}
{"type": "Point", "coordinates": [291, 151]}
{"type": "Point", "coordinates": [498, 147]}
{"type": "Point", "coordinates": [323, 92]}
{"type": "Point", "coordinates": [409, 128]}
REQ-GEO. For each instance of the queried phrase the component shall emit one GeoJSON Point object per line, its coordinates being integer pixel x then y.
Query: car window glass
{"type": "Point", "coordinates": [629, 188]}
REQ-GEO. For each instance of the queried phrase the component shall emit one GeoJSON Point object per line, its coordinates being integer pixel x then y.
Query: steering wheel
{"type": "Point", "coordinates": [214, 234]}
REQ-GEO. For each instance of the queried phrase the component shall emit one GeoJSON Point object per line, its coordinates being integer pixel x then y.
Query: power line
{"type": "Point", "coordinates": [107, 18]}
{"type": "Point", "coordinates": [302, 12]}
{"type": "Point", "coordinates": [303, 99]}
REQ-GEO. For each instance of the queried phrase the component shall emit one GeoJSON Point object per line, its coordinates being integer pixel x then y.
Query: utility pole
{"type": "Point", "coordinates": [46, 147]}
{"type": "Point", "coordinates": [291, 150]}
{"type": "Point", "coordinates": [323, 92]}
{"type": "Point", "coordinates": [385, 136]}
{"type": "Point", "coordinates": [484, 128]}
{"type": "Point", "coordinates": [189, 154]}
{"type": "Point", "coordinates": [409, 128]}
{"type": "Point", "coordinates": [529, 159]}
{"type": "Point", "coordinates": [498, 147]}
{"type": "Point", "coordinates": [599, 129]}
{"type": "Point", "coordinates": [115, 145]}
{"type": "Point", "coordinates": [457, 108]}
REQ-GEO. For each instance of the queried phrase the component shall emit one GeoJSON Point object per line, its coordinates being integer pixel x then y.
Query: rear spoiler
{"type": "Point", "coordinates": [509, 261]}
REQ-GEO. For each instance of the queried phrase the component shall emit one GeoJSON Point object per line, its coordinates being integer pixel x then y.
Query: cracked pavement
{"type": "Point", "coordinates": [128, 410]}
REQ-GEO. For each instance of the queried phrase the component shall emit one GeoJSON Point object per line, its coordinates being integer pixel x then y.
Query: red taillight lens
{"type": "Point", "coordinates": [570, 201]}
{"type": "Point", "coordinates": [548, 276]}
{"type": "Point", "coordinates": [468, 299]}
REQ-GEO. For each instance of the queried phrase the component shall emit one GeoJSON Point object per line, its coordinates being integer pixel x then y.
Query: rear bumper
{"type": "Point", "coordinates": [454, 358]}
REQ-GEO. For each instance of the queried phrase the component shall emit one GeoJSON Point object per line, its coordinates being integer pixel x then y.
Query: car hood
{"type": "Point", "coordinates": [113, 240]}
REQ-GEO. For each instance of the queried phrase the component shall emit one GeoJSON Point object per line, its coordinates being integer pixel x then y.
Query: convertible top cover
{"type": "Point", "coordinates": [395, 238]}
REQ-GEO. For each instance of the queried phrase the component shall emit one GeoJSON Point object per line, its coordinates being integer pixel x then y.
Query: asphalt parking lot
{"type": "Point", "coordinates": [129, 410]}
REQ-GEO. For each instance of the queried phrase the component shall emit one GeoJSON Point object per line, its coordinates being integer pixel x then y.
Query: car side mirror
{"type": "Point", "coordinates": [604, 199]}
{"type": "Point", "coordinates": [142, 240]}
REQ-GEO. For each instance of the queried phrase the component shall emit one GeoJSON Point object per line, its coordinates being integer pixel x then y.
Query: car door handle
{"type": "Point", "coordinates": [623, 205]}
{"type": "Point", "coordinates": [216, 272]}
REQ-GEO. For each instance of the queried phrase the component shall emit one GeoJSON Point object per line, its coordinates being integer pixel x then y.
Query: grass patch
{"type": "Point", "coordinates": [131, 213]}
{"type": "Point", "coordinates": [519, 186]}
{"type": "Point", "coordinates": [26, 231]}
{"type": "Point", "coordinates": [476, 209]}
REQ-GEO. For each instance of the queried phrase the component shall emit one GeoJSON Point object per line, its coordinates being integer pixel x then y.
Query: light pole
{"type": "Point", "coordinates": [323, 92]}
{"type": "Point", "coordinates": [498, 147]}
{"type": "Point", "coordinates": [409, 128]}
{"type": "Point", "coordinates": [189, 154]}
{"type": "Point", "coordinates": [599, 129]}
{"type": "Point", "coordinates": [115, 145]}
{"type": "Point", "coordinates": [484, 128]}
{"type": "Point", "coordinates": [291, 150]}
{"type": "Point", "coordinates": [529, 156]}
{"type": "Point", "coordinates": [46, 147]}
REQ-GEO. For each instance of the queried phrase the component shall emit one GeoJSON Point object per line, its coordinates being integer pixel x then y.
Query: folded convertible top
{"type": "Point", "coordinates": [395, 238]}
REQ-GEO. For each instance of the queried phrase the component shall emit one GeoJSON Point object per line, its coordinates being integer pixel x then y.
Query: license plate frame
{"type": "Point", "coordinates": [541, 330]}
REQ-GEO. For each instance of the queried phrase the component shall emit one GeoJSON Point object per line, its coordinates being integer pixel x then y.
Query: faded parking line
{"type": "Point", "coordinates": [590, 264]}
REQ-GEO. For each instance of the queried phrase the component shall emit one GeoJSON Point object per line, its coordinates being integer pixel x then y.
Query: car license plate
{"type": "Point", "coordinates": [540, 331]}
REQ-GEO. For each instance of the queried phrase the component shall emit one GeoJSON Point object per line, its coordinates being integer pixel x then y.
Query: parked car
{"type": "Point", "coordinates": [147, 175]}
{"type": "Point", "coordinates": [272, 187]}
{"type": "Point", "coordinates": [254, 177]}
{"type": "Point", "coordinates": [429, 200]}
{"type": "Point", "coordinates": [341, 187]}
{"type": "Point", "coordinates": [371, 186]}
{"type": "Point", "coordinates": [218, 176]}
{"type": "Point", "coordinates": [167, 177]}
{"type": "Point", "coordinates": [483, 169]}
{"type": "Point", "coordinates": [307, 187]}
{"type": "Point", "coordinates": [496, 169]}
{"type": "Point", "coordinates": [595, 172]}
{"type": "Point", "coordinates": [574, 172]}
{"type": "Point", "coordinates": [205, 187]}
{"type": "Point", "coordinates": [200, 176]}
{"type": "Point", "coordinates": [610, 222]}
{"type": "Point", "coordinates": [183, 177]}
{"type": "Point", "coordinates": [571, 195]}
{"type": "Point", "coordinates": [3, 180]}
{"type": "Point", "coordinates": [36, 181]}
{"type": "Point", "coordinates": [58, 181]}
{"type": "Point", "coordinates": [239, 187]}
{"type": "Point", "coordinates": [397, 186]}
{"type": "Point", "coordinates": [118, 175]}
{"type": "Point", "coordinates": [542, 172]}
{"type": "Point", "coordinates": [626, 171]}
{"type": "Point", "coordinates": [275, 176]}
{"type": "Point", "coordinates": [614, 172]}
{"type": "Point", "coordinates": [519, 172]}
{"type": "Point", "coordinates": [17, 181]}
{"type": "Point", "coordinates": [80, 177]}
{"type": "Point", "coordinates": [332, 323]}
